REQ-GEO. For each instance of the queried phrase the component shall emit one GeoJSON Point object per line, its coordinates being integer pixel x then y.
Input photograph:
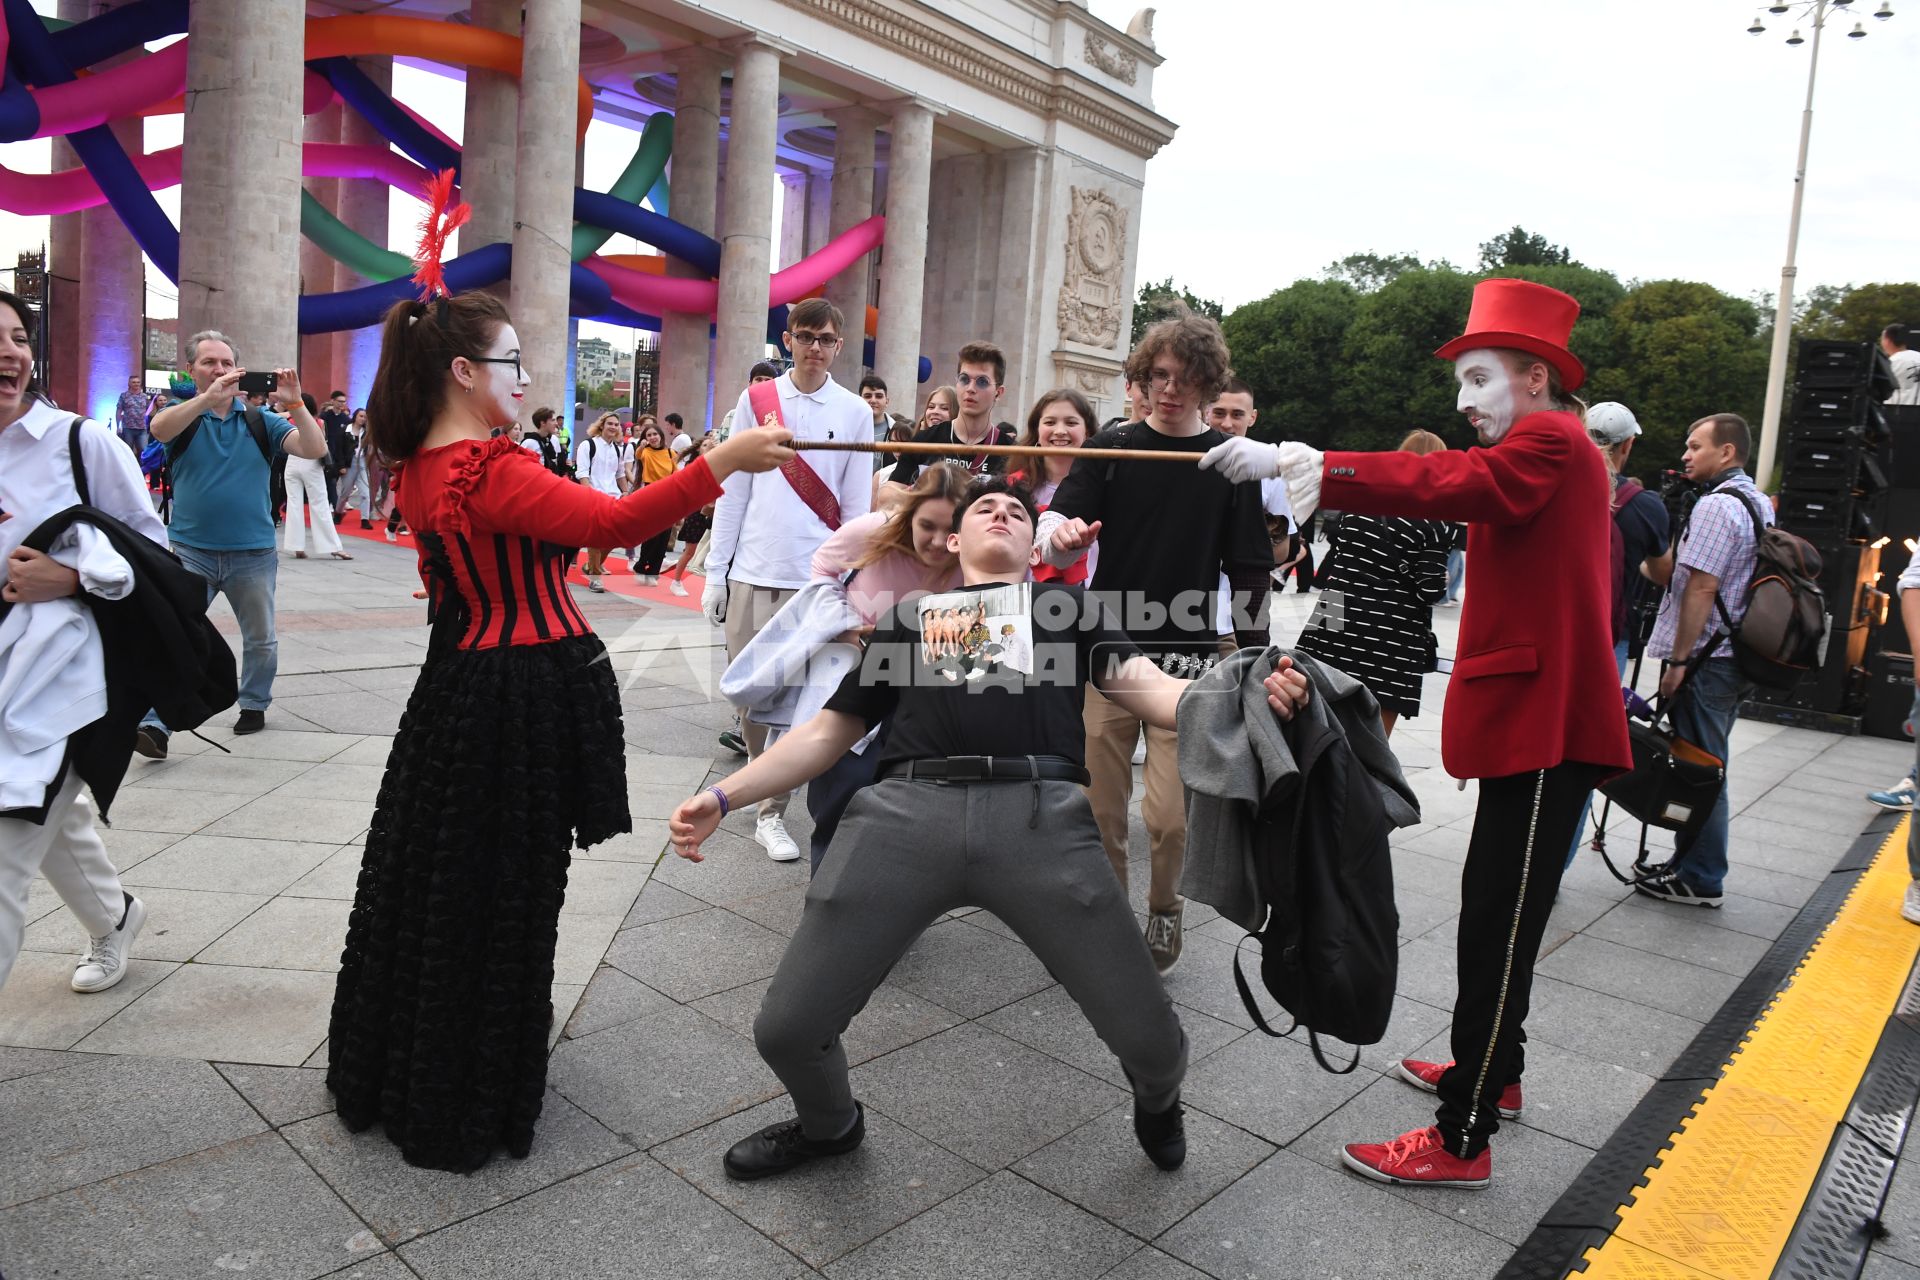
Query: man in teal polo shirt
{"type": "Point", "coordinates": [222, 525]}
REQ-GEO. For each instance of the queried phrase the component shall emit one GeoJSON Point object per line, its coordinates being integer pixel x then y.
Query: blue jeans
{"type": "Point", "coordinates": [829, 794]}
{"type": "Point", "coordinates": [1580, 827]}
{"type": "Point", "coordinates": [1456, 570]}
{"type": "Point", "coordinates": [1704, 714]}
{"type": "Point", "coordinates": [247, 579]}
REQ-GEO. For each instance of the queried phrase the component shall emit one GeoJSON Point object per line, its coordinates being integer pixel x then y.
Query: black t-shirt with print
{"type": "Point", "coordinates": [945, 671]}
{"type": "Point", "coordinates": [1168, 531]}
{"type": "Point", "coordinates": [907, 470]}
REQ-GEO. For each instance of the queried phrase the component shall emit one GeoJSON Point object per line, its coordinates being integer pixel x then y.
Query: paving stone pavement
{"type": "Point", "coordinates": [178, 1125]}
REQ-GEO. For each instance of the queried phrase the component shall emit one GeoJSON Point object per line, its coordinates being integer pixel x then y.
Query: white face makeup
{"type": "Point", "coordinates": [498, 382]}
{"type": "Point", "coordinates": [1486, 393]}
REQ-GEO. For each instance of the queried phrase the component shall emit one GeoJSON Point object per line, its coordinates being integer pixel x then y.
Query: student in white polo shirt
{"type": "Point", "coordinates": [766, 528]}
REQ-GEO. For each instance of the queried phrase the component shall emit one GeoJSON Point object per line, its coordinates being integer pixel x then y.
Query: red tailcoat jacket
{"type": "Point", "coordinates": [1534, 682]}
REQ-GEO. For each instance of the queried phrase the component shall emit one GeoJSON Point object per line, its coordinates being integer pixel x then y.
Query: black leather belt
{"type": "Point", "coordinates": [958, 769]}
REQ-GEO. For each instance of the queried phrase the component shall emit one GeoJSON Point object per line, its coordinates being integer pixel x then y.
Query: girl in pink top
{"type": "Point", "coordinates": [896, 555]}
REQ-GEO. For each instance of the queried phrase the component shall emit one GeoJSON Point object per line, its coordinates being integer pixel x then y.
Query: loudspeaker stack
{"type": "Point", "coordinates": [1836, 485]}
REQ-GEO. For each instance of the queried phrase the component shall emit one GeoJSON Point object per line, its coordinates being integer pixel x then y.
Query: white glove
{"type": "Point", "coordinates": [1240, 460]}
{"type": "Point", "coordinates": [713, 601]}
{"type": "Point", "coordinates": [1300, 466]}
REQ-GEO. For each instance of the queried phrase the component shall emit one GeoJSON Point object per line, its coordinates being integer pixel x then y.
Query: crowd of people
{"type": "Point", "coordinates": [983, 643]}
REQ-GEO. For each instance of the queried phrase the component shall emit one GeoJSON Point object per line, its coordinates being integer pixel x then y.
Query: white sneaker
{"type": "Point", "coordinates": [771, 833]}
{"type": "Point", "coordinates": [1910, 908]}
{"type": "Point", "coordinates": [675, 588]}
{"type": "Point", "coordinates": [1140, 750]}
{"type": "Point", "coordinates": [106, 960]}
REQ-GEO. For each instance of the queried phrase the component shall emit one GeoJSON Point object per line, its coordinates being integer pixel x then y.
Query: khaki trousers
{"type": "Point", "coordinates": [748, 609]}
{"type": "Point", "coordinates": [1111, 736]}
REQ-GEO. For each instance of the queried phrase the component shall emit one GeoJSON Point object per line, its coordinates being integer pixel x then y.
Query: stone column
{"type": "Point", "coordinates": [364, 207]}
{"type": "Point", "coordinates": [1015, 298]}
{"type": "Point", "coordinates": [240, 177]}
{"type": "Point", "coordinates": [793, 218]}
{"type": "Point", "coordinates": [819, 213]}
{"type": "Point", "coordinates": [685, 350]}
{"type": "Point", "coordinates": [903, 262]}
{"type": "Point", "coordinates": [746, 248]}
{"type": "Point", "coordinates": [543, 194]}
{"type": "Point", "coordinates": [489, 138]}
{"type": "Point", "coordinates": [316, 266]}
{"type": "Point", "coordinates": [112, 296]}
{"type": "Point", "coordinates": [573, 393]}
{"type": "Point", "coordinates": [853, 165]}
{"type": "Point", "coordinates": [61, 378]}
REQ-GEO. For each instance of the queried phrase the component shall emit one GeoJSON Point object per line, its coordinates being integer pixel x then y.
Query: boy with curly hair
{"type": "Point", "coordinates": [1166, 532]}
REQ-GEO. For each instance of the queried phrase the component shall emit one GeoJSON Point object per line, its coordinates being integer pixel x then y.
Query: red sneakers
{"type": "Point", "coordinates": [1417, 1159]}
{"type": "Point", "coordinates": [1426, 1075]}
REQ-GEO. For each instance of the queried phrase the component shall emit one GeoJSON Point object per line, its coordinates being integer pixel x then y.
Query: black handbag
{"type": "Point", "coordinates": [1673, 784]}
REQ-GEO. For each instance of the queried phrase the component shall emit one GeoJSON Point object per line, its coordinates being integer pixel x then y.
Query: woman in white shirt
{"type": "Point", "coordinates": [36, 482]}
{"type": "Point", "coordinates": [307, 492]}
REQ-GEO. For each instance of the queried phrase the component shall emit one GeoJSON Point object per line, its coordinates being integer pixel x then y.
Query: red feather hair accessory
{"type": "Point", "coordinates": [436, 228]}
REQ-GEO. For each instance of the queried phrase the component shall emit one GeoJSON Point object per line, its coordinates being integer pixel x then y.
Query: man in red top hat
{"type": "Point", "coordinates": [1534, 708]}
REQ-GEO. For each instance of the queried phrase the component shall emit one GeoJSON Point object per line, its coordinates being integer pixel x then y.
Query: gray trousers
{"type": "Point", "coordinates": [906, 853]}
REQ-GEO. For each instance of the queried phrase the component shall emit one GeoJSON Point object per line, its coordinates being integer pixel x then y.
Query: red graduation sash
{"type": "Point", "coordinates": [764, 399]}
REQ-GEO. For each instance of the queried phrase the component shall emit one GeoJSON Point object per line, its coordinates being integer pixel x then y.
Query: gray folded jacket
{"type": "Point", "coordinates": [1234, 753]}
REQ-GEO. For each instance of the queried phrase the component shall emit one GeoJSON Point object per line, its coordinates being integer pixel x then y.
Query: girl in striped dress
{"type": "Point", "coordinates": [1374, 618]}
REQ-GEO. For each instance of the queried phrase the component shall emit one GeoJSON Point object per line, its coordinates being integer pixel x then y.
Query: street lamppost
{"type": "Point", "coordinates": [1815, 13]}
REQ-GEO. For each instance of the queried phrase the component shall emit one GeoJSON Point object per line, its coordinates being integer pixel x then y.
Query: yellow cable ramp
{"type": "Point", "coordinates": [1724, 1198]}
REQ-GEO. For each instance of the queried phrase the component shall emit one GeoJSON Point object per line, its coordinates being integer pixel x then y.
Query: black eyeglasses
{"type": "Point", "coordinates": [980, 381]}
{"type": "Point", "coordinates": [823, 341]}
{"type": "Point", "coordinates": [513, 360]}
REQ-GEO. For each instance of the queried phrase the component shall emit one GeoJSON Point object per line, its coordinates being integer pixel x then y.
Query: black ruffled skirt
{"type": "Point", "coordinates": [504, 758]}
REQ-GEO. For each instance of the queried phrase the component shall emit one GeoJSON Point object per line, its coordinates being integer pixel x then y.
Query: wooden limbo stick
{"type": "Point", "coordinates": [929, 449]}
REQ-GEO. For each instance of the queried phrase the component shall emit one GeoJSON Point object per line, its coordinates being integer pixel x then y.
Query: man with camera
{"type": "Point", "coordinates": [1714, 558]}
{"type": "Point", "coordinates": [220, 454]}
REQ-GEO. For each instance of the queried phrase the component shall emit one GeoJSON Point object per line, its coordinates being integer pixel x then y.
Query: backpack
{"type": "Point", "coordinates": [1779, 638]}
{"type": "Point", "coordinates": [1330, 946]}
{"type": "Point", "coordinates": [256, 427]}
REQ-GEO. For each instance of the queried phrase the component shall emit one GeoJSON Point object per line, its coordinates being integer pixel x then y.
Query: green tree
{"type": "Point", "coordinates": [1519, 248]}
{"type": "Point", "coordinates": [1287, 349]}
{"type": "Point", "coordinates": [1369, 271]}
{"type": "Point", "coordinates": [1681, 350]}
{"type": "Point", "coordinates": [1156, 301]}
{"type": "Point", "coordinates": [1857, 313]}
{"type": "Point", "coordinates": [605, 397]}
{"type": "Point", "coordinates": [1387, 381]}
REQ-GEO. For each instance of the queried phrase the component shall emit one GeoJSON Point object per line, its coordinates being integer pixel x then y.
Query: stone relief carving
{"type": "Point", "coordinates": [1115, 61]}
{"type": "Point", "coordinates": [1091, 295]}
{"type": "Point", "coordinates": [1094, 382]}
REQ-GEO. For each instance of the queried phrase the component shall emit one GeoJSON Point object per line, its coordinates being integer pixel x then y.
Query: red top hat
{"type": "Point", "coordinates": [1526, 316]}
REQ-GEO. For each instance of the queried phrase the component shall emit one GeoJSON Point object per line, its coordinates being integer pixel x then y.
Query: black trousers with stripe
{"type": "Point", "coordinates": [1520, 835]}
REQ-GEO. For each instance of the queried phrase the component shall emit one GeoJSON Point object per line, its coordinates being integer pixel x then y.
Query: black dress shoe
{"type": "Point", "coordinates": [151, 742]}
{"type": "Point", "coordinates": [250, 721]}
{"type": "Point", "coordinates": [1163, 1135]}
{"type": "Point", "coordinates": [780, 1147]}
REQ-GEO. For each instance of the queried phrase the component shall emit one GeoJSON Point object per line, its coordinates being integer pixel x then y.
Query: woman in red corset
{"type": "Point", "coordinates": [509, 752]}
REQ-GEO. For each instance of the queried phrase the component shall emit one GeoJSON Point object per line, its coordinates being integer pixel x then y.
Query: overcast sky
{"type": "Point", "coordinates": [1655, 138]}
